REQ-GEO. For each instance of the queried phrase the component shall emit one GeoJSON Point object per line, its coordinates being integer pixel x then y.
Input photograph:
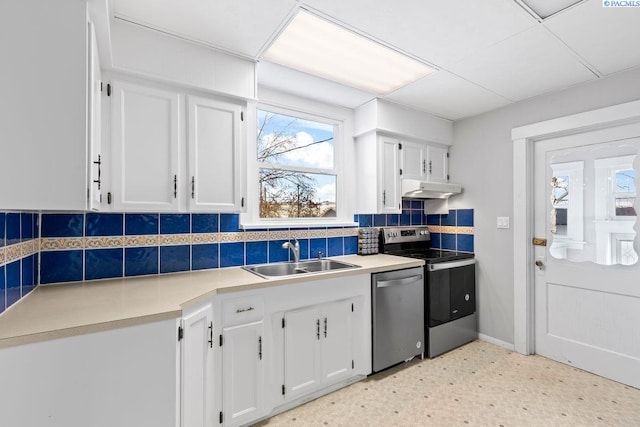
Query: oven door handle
{"type": "Point", "coordinates": [450, 264]}
{"type": "Point", "coordinates": [397, 282]}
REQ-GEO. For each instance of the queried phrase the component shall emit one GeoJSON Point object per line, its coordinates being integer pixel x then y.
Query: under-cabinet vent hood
{"type": "Point", "coordinates": [414, 189]}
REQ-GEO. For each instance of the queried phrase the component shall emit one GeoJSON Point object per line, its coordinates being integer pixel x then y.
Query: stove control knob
{"type": "Point", "coordinates": [389, 234]}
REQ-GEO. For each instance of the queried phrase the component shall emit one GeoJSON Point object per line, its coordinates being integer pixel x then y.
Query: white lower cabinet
{"type": "Point", "coordinates": [317, 347]}
{"type": "Point", "coordinates": [267, 350]}
{"type": "Point", "coordinates": [243, 373]}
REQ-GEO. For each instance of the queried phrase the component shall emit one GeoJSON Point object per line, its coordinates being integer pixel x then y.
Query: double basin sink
{"type": "Point", "coordinates": [283, 269]}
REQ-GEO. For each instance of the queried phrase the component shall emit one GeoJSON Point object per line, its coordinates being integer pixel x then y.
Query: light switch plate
{"type": "Point", "coordinates": [503, 222]}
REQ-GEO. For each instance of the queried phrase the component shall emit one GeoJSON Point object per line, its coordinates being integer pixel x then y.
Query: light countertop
{"type": "Point", "coordinates": [56, 311]}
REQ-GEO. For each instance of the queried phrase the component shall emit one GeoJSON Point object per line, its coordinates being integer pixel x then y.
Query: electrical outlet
{"type": "Point", "coordinates": [503, 222]}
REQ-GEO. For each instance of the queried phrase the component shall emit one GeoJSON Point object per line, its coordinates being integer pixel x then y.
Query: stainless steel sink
{"type": "Point", "coordinates": [269, 271]}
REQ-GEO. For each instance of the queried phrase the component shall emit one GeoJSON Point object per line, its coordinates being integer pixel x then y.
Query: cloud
{"type": "Point", "coordinates": [318, 155]}
{"type": "Point", "coordinates": [326, 192]}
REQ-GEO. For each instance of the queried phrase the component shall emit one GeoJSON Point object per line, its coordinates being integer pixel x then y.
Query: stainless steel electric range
{"type": "Point", "coordinates": [450, 318]}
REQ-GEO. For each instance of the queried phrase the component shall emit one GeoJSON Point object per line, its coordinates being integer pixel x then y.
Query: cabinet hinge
{"type": "Point", "coordinates": [400, 171]}
{"type": "Point", "coordinates": [353, 364]}
{"type": "Point", "coordinates": [242, 202]}
{"type": "Point", "coordinates": [100, 86]}
{"type": "Point", "coordinates": [447, 177]}
{"type": "Point", "coordinates": [242, 116]}
{"type": "Point", "coordinates": [180, 333]}
{"type": "Point", "coordinates": [283, 389]}
{"type": "Point", "coordinates": [109, 198]}
{"type": "Point", "coordinates": [210, 340]}
{"type": "Point", "coordinates": [283, 323]}
{"type": "Point", "coordinates": [352, 307]}
{"type": "Point", "coordinates": [220, 340]}
{"type": "Point", "coordinates": [447, 155]}
{"type": "Point", "coordinates": [221, 417]}
{"type": "Point", "coordinates": [399, 146]}
{"type": "Point", "coordinates": [108, 89]}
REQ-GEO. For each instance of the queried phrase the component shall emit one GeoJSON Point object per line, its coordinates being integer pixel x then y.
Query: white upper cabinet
{"type": "Point", "coordinates": [94, 117]}
{"type": "Point", "coordinates": [215, 155]}
{"type": "Point", "coordinates": [437, 163]}
{"type": "Point", "coordinates": [389, 160]}
{"type": "Point", "coordinates": [146, 136]}
{"type": "Point", "coordinates": [425, 162]}
{"type": "Point", "coordinates": [46, 108]}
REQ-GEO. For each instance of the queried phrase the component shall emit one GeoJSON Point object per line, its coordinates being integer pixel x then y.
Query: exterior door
{"type": "Point", "coordinates": [587, 291]}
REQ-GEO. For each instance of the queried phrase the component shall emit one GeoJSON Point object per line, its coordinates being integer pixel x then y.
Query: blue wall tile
{"type": "Point", "coordinates": [36, 226]}
{"type": "Point", "coordinates": [304, 248]}
{"type": "Point", "coordinates": [175, 258]}
{"type": "Point", "coordinates": [416, 218]}
{"type": "Point", "coordinates": [3, 290]}
{"type": "Point", "coordinates": [393, 219]}
{"type": "Point", "coordinates": [405, 219]}
{"type": "Point", "coordinates": [335, 246]}
{"type": "Point", "coordinates": [61, 266]}
{"type": "Point", "coordinates": [448, 241]}
{"type": "Point", "coordinates": [28, 277]}
{"type": "Point", "coordinates": [379, 220]}
{"type": "Point", "coordinates": [140, 261]}
{"type": "Point", "coordinates": [175, 223]}
{"type": "Point", "coordinates": [26, 220]}
{"type": "Point", "coordinates": [316, 245]}
{"type": "Point", "coordinates": [231, 254]}
{"type": "Point", "coordinates": [365, 220]}
{"type": "Point", "coordinates": [406, 204]}
{"type": "Point", "coordinates": [276, 253]}
{"type": "Point", "coordinates": [433, 219]}
{"type": "Point", "coordinates": [103, 263]}
{"type": "Point", "coordinates": [204, 256]}
{"type": "Point", "coordinates": [204, 223]}
{"type": "Point", "coordinates": [449, 219]}
{"type": "Point", "coordinates": [417, 205]}
{"type": "Point", "coordinates": [62, 225]}
{"type": "Point", "coordinates": [465, 217]}
{"type": "Point", "coordinates": [350, 245]}
{"type": "Point", "coordinates": [3, 217]}
{"type": "Point", "coordinates": [103, 224]}
{"type": "Point", "coordinates": [13, 282]}
{"type": "Point", "coordinates": [436, 240]}
{"type": "Point", "coordinates": [140, 224]}
{"type": "Point", "coordinates": [356, 219]}
{"type": "Point", "coordinates": [12, 228]}
{"type": "Point", "coordinates": [465, 242]}
{"type": "Point", "coordinates": [257, 252]}
{"type": "Point", "coordinates": [229, 223]}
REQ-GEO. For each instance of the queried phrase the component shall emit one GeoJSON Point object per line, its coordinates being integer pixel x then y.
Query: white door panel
{"type": "Point", "coordinates": [586, 314]}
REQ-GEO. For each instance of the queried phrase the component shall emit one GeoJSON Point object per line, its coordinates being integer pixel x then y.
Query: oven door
{"type": "Point", "coordinates": [451, 291]}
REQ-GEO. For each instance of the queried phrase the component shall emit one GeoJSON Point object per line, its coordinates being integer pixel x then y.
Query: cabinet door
{"type": "Point", "coordinates": [413, 160]}
{"type": "Point", "coordinates": [94, 123]}
{"type": "Point", "coordinates": [437, 164]}
{"type": "Point", "coordinates": [243, 373]}
{"type": "Point", "coordinates": [197, 369]}
{"type": "Point", "coordinates": [336, 341]}
{"type": "Point", "coordinates": [301, 351]}
{"type": "Point", "coordinates": [215, 155]}
{"type": "Point", "coordinates": [390, 196]}
{"type": "Point", "coordinates": [145, 150]}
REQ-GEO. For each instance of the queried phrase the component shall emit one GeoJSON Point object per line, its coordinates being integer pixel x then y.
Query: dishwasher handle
{"type": "Point", "coordinates": [398, 282]}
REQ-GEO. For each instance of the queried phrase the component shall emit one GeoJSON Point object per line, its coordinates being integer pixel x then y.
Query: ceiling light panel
{"type": "Point", "coordinates": [322, 48]}
{"type": "Point", "coordinates": [546, 8]}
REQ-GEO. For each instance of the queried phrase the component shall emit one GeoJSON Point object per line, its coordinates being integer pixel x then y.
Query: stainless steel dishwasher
{"type": "Point", "coordinates": [397, 299]}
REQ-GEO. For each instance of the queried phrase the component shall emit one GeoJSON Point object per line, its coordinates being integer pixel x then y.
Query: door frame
{"type": "Point", "coordinates": [523, 138]}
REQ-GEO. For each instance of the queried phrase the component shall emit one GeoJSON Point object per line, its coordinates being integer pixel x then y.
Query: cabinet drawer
{"type": "Point", "coordinates": [242, 310]}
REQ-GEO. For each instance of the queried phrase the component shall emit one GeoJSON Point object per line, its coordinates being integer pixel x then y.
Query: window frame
{"type": "Point", "coordinates": [344, 215]}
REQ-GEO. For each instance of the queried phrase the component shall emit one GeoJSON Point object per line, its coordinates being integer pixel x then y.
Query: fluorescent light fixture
{"type": "Point", "coordinates": [321, 48]}
{"type": "Point", "coordinates": [546, 8]}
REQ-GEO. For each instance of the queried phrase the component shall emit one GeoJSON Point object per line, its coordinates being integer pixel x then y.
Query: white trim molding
{"type": "Point", "coordinates": [523, 138]}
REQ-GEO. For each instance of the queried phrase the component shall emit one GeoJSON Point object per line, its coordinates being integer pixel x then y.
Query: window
{"type": "Point", "coordinates": [297, 173]}
{"type": "Point", "coordinates": [624, 193]}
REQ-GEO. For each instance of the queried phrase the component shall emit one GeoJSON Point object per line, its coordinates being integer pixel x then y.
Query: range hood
{"type": "Point", "coordinates": [415, 189]}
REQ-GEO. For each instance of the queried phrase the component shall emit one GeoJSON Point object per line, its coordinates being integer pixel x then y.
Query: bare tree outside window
{"type": "Point", "coordinates": [296, 167]}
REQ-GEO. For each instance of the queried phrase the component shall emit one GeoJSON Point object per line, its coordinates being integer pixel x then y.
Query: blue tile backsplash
{"type": "Point", "coordinates": [53, 248]}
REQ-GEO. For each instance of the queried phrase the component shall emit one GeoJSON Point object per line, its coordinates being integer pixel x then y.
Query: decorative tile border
{"type": "Point", "coordinates": [451, 229]}
{"type": "Point", "coordinates": [175, 239]}
{"type": "Point", "coordinates": [17, 251]}
{"type": "Point", "coordinates": [61, 243]}
{"type": "Point", "coordinates": [2, 256]}
{"type": "Point", "coordinates": [202, 238]}
{"type": "Point", "coordinates": [141, 241]}
{"type": "Point", "coordinates": [103, 242]}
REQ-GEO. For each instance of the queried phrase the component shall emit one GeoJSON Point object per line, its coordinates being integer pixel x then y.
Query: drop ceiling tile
{"type": "Point", "coordinates": [295, 82]}
{"type": "Point", "coordinates": [447, 95]}
{"type": "Point", "coordinates": [529, 64]}
{"type": "Point", "coordinates": [440, 32]}
{"type": "Point", "coordinates": [606, 37]}
{"type": "Point", "coordinates": [242, 27]}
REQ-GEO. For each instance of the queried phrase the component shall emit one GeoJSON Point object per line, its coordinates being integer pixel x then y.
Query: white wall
{"type": "Point", "coordinates": [482, 161]}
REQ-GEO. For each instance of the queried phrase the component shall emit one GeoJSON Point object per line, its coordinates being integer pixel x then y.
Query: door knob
{"type": "Point", "coordinates": [539, 264]}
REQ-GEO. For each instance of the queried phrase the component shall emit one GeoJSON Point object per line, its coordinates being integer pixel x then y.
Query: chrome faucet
{"type": "Point", "coordinates": [295, 248]}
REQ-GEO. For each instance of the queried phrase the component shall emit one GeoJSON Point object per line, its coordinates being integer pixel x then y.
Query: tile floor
{"type": "Point", "coordinates": [479, 384]}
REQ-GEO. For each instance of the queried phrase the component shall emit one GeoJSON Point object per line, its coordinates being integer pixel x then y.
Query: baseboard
{"type": "Point", "coordinates": [496, 341]}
